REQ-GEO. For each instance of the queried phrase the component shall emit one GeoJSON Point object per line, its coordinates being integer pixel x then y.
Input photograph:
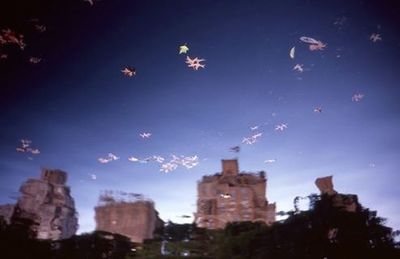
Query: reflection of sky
{"type": "Point", "coordinates": [76, 106]}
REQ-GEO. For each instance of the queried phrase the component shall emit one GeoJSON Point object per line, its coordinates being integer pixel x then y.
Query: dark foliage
{"type": "Point", "coordinates": [98, 244]}
{"type": "Point", "coordinates": [177, 232]}
{"type": "Point", "coordinates": [18, 242]}
{"type": "Point", "coordinates": [324, 231]}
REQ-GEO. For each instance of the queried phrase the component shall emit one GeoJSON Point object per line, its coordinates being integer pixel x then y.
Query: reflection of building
{"type": "Point", "coordinates": [232, 196]}
{"type": "Point", "coordinates": [48, 203]}
{"type": "Point", "coordinates": [135, 219]}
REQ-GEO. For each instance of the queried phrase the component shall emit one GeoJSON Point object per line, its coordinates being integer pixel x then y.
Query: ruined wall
{"type": "Point", "coordinates": [136, 220]}
{"type": "Point", "coordinates": [48, 203]}
{"type": "Point", "coordinates": [232, 196]}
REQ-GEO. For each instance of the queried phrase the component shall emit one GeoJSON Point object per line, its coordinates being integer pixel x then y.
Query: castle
{"type": "Point", "coordinates": [232, 196]}
{"type": "Point", "coordinates": [229, 196]}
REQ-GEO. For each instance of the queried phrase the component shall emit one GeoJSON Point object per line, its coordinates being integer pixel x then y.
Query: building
{"type": "Point", "coordinates": [48, 203]}
{"type": "Point", "coordinates": [231, 196]}
{"type": "Point", "coordinates": [127, 214]}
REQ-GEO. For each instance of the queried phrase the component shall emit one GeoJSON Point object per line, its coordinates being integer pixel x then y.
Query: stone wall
{"type": "Point", "coordinates": [136, 220]}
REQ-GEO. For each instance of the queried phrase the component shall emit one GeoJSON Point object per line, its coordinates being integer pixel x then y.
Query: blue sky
{"type": "Point", "coordinates": [76, 105]}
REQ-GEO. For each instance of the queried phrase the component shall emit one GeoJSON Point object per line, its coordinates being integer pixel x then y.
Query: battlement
{"type": "Point", "coordinates": [109, 197]}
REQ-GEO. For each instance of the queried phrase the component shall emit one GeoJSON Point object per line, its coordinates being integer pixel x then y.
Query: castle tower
{"type": "Point", "coordinates": [231, 196]}
{"type": "Point", "coordinates": [230, 167]}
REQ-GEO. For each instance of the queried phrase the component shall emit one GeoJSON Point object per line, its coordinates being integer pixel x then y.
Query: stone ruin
{"type": "Point", "coordinates": [128, 214]}
{"type": "Point", "coordinates": [347, 202]}
{"type": "Point", "coordinates": [48, 203]}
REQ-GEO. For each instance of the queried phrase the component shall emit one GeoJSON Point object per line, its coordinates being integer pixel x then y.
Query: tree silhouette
{"type": "Point", "coordinates": [324, 231]}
